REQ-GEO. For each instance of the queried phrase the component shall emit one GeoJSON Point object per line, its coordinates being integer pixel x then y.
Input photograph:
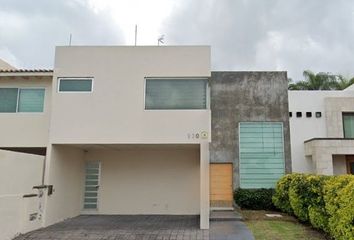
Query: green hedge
{"type": "Point", "coordinates": [256, 199]}
{"type": "Point", "coordinates": [325, 202]}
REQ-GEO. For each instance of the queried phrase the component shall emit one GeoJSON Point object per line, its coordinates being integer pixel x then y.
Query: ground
{"type": "Point", "coordinates": [115, 227]}
{"type": "Point", "coordinates": [153, 227]}
{"type": "Point", "coordinates": [286, 227]}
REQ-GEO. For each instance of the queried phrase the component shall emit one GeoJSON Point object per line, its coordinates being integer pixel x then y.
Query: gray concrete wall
{"type": "Point", "coordinates": [245, 96]}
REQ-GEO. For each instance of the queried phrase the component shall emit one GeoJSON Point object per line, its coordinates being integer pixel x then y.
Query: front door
{"type": "Point", "coordinates": [92, 181]}
{"type": "Point", "coordinates": [350, 164]}
{"type": "Point", "coordinates": [221, 194]}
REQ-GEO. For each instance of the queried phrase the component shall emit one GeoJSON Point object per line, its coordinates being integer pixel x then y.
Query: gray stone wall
{"type": "Point", "coordinates": [245, 97]}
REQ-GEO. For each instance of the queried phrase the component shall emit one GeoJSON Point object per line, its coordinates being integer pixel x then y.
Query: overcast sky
{"type": "Point", "coordinates": [291, 35]}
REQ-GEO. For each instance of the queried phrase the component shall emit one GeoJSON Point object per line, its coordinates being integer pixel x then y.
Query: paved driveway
{"type": "Point", "coordinates": [118, 227]}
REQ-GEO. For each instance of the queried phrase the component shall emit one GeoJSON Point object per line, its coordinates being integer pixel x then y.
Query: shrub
{"type": "Point", "coordinates": [306, 192]}
{"type": "Point", "coordinates": [326, 201]}
{"type": "Point", "coordinates": [339, 200]}
{"type": "Point", "coordinates": [281, 195]}
{"type": "Point", "coordinates": [256, 199]}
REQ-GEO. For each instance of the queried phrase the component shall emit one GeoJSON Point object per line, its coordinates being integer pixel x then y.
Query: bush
{"type": "Point", "coordinates": [305, 192]}
{"type": "Point", "coordinates": [339, 199]}
{"type": "Point", "coordinates": [281, 195]}
{"type": "Point", "coordinates": [326, 202]}
{"type": "Point", "coordinates": [256, 199]}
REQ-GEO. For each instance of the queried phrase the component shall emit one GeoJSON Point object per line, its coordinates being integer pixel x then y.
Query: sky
{"type": "Point", "coordinates": [291, 35]}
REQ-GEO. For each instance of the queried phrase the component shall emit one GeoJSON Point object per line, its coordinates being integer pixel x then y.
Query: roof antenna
{"type": "Point", "coordinates": [136, 33]}
{"type": "Point", "coordinates": [70, 39]}
{"type": "Point", "coordinates": [160, 40]}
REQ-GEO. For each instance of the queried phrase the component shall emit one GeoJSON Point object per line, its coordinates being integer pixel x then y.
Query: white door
{"type": "Point", "coordinates": [92, 181]}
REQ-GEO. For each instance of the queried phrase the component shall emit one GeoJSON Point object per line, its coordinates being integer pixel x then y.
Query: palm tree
{"type": "Point", "coordinates": [319, 81]}
{"type": "Point", "coordinates": [343, 82]}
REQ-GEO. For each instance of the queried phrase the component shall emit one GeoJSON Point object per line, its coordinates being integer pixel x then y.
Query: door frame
{"type": "Point", "coordinates": [349, 160]}
{"type": "Point", "coordinates": [92, 211]}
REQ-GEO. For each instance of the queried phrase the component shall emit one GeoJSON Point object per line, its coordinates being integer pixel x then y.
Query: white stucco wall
{"type": "Point", "coordinates": [114, 111]}
{"type": "Point", "coordinates": [302, 129]}
{"type": "Point", "coordinates": [144, 181]}
{"type": "Point", "coordinates": [26, 129]}
{"type": "Point", "coordinates": [65, 171]}
{"type": "Point", "coordinates": [19, 172]}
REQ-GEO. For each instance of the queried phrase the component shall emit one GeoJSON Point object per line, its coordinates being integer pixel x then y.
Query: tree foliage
{"type": "Point", "coordinates": [321, 81]}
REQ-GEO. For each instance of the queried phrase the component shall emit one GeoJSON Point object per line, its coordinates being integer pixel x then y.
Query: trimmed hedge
{"type": "Point", "coordinates": [256, 199]}
{"type": "Point", "coordinates": [327, 202]}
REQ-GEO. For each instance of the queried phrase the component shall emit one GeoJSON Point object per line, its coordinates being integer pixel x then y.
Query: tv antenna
{"type": "Point", "coordinates": [70, 39]}
{"type": "Point", "coordinates": [136, 34]}
{"type": "Point", "coordinates": [161, 40]}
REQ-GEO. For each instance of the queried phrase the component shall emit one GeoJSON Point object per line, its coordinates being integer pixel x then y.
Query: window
{"type": "Point", "coordinates": [318, 114]}
{"type": "Point", "coordinates": [298, 114]}
{"type": "Point", "coordinates": [348, 125]}
{"type": "Point", "coordinates": [176, 94]}
{"type": "Point", "coordinates": [75, 85]}
{"type": "Point", "coordinates": [261, 154]}
{"type": "Point", "coordinates": [290, 114]}
{"type": "Point", "coordinates": [308, 114]}
{"type": "Point", "coordinates": [21, 100]}
{"type": "Point", "coordinates": [8, 99]}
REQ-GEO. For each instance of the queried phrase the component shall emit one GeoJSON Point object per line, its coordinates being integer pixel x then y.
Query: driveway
{"type": "Point", "coordinates": [122, 227]}
{"type": "Point", "coordinates": [127, 227]}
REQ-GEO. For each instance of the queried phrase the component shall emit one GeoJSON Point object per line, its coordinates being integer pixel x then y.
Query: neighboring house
{"type": "Point", "coordinates": [322, 131]}
{"type": "Point", "coordinates": [126, 130]}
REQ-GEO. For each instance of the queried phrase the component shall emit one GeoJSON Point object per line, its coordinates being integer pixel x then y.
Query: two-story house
{"type": "Point", "coordinates": [127, 130]}
{"type": "Point", "coordinates": [322, 131]}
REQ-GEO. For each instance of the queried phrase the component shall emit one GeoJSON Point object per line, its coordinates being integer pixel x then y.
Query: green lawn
{"type": "Point", "coordinates": [287, 227]}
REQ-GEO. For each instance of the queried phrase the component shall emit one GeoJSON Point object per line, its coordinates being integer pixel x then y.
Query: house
{"type": "Point", "coordinates": [322, 131]}
{"type": "Point", "coordinates": [137, 130]}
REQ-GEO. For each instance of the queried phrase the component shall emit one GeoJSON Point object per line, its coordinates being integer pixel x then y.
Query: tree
{"type": "Point", "coordinates": [343, 82]}
{"type": "Point", "coordinates": [319, 81]}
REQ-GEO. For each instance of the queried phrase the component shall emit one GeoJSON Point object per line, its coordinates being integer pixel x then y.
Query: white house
{"type": "Point", "coordinates": [322, 131]}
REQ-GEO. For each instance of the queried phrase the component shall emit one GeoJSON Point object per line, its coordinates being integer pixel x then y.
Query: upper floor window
{"type": "Point", "coordinates": [176, 93]}
{"type": "Point", "coordinates": [75, 85]}
{"type": "Point", "coordinates": [21, 100]}
{"type": "Point", "coordinates": [348, 125]}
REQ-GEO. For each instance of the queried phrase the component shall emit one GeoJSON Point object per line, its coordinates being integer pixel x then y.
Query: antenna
{"type": "Point", "coordinates": [136, 33]}
{"type": "Point", "coordinates": [70, 39]}
{"type": "Point", "coordinates": [160, 40]}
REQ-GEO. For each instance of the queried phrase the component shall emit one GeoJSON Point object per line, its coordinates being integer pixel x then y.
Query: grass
{"type": "Point", "coordinates": [286, 227]}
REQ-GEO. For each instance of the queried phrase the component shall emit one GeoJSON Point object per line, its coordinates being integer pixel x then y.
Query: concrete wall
{"type": "Point", "coordinates": [19, 172]}
{"type": "Point", "coordinates": [114, 111]}
{"type": "Point", "coordinates": [245, 96]}
{"type": "Point", "coordinates": [65, 171]}
{"type": "Point", "coordinates": [325, 153]}
{"type": "Point", "coordinates": [334, 114]}
{"type": "Point", "coordinates": [304, 128]}
{"type": "Point", "coordinates": [26, 129]}
{"type": "Point", "coordinates": [144, 181]}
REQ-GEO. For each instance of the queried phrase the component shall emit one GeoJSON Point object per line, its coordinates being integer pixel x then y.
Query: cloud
{"type": "Point", "coordinates": [291, 35]}
{"type": "Point", "coordinates": [30, 30]}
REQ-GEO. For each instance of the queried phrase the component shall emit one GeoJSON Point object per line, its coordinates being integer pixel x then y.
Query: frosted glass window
{"type": "Point", "coordinates": [261, 154]}
{"type": "Point", "coordinates": [176, 94]}
{"type": "Point", "coordinates": [8, 99]}
{"type": "Point", "coordinates": [75, 85]}
{"type": "Point", "coordinates": [31, 100]}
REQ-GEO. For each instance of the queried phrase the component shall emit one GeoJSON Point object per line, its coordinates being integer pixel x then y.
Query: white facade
{"type": "Point", "coordinates": [330, 104]}
{"type": "Point", "coordinates": [152, 161]}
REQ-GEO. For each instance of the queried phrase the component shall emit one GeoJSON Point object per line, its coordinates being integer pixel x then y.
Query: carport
{"type": "Point", "coordinates": [128, 179]}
